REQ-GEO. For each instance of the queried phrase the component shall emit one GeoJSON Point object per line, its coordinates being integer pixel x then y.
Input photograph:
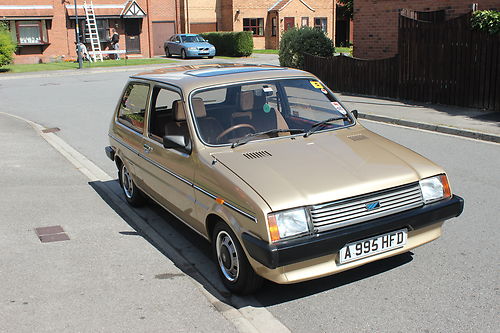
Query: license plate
{"type": "Point", "coordinates": [372, 246]}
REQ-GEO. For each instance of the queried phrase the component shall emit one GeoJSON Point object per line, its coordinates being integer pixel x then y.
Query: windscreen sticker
{"type": "Point", "coordinates": [316, 84]}
{"type": "Point", "coordinates": [339, 107]}
{"type": "Point", "coordinates": [267, 89]}
{"type": "Point", "coordinates": [267, 108]}
{"type": "Point", "coordinates": [324, 91]}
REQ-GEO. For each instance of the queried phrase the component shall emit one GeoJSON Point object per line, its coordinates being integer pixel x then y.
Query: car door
{"type": "Point", "coordinates": [170, 172]}
{"type": "Point", "coordinates": [176, 45]}
{"type": "Point", "coordinates": [130, 126]}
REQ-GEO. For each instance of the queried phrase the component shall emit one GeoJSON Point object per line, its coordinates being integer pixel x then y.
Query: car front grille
{"type": "Point", "coordinates": [342, 213]}
{"type": "Point", "coordinates": [203, 49]}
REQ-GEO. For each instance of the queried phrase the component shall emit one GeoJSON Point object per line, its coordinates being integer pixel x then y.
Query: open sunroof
{"type": "Point", "coordinates": [225, 71]}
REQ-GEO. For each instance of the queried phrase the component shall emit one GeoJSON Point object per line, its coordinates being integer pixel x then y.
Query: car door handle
{"type": "Point", "coordinates": [147, 148]}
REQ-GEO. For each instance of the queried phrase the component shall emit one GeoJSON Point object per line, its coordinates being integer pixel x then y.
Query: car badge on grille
{"type": "Point", "coordinates": [372, 205]}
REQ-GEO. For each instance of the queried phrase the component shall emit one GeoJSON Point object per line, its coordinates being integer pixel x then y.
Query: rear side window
{"type": "Point", "coordinates": [133, 106]}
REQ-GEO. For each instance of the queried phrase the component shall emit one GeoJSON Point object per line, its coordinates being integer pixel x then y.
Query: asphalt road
{"type": "Point", "coordinates": [450, 285]}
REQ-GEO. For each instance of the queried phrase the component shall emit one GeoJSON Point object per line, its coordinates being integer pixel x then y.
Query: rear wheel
{"type": "Point", "coordinates": [132, 194]}
{"type": "Point", "coordinates": [183, 54]}
{"type": "Point", "coordinates": [234, 269]}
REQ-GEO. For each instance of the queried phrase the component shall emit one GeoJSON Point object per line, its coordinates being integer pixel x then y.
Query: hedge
{"type": "Point", "coordinates": [7, 45]}
{"type": "Point", "coordinates": [486, 20]}
{"type": "Point", "coordinates": [297, 41]}
{"type": "Point", "coordinates": [231, 44]}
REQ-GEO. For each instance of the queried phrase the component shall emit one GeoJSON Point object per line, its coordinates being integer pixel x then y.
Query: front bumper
{"type": "Point", "coordinates": [197, 53]}
{"type": "Point", "coordinates": [317, 245]}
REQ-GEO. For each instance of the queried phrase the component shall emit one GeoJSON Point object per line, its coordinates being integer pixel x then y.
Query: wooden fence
{"type": "Point", "coordinates": [438, 62]}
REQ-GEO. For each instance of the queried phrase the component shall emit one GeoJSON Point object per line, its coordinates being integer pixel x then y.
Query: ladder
{"type": "Point", "coordinates": [91, 32]}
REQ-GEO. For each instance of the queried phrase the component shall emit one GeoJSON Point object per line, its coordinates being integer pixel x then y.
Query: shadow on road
{"type": "Point", "coordinates": [191, 253]}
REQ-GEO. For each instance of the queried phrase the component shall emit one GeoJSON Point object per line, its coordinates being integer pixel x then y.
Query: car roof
{"type": "Point", "coordinates": [196, 76]}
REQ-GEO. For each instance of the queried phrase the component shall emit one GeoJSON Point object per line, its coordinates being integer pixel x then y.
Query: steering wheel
{"type": "Point", "coordinates": [233, 128]}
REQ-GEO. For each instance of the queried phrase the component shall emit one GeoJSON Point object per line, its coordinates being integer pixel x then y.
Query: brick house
{"type": "Point", "coordinates": [376, 21]}
{"type": "Point", "coordinates": [45, 29]}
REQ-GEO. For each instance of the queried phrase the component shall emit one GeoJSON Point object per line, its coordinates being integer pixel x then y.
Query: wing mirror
{"type": "Point", "coordinates": [355, 113]}
{"type": "Point", "coordinates": [179, 142]}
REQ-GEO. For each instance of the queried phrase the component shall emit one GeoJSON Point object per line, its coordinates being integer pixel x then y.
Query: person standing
{"type": "Point", "coordinates": [115, 43]}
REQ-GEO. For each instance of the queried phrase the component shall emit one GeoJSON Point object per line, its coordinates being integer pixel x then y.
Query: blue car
{"type": "Point", "coordinates": [188, 46]}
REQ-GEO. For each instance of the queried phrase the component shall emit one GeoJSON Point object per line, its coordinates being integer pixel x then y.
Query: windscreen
{"type": "Point", "coordinates": [274, 108]}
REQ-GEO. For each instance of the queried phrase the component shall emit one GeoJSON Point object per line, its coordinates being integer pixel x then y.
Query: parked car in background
{"type": "Point", "coordinates": [271, 168]}
{"type": "Point", "coordinates": [188, 46]}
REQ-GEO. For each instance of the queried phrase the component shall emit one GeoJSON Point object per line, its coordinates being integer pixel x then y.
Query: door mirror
{"type": "Point", "coordinates": [178, 142]}
{"type": "Point", "coordinates": [355, 113]}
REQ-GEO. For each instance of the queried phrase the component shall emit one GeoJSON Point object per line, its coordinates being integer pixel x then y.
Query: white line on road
{"type": "Point", "coordinates": [247, 319]}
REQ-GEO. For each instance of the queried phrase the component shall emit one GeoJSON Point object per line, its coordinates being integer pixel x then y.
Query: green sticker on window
{"type": "Point", "coordinates": [266, 108]}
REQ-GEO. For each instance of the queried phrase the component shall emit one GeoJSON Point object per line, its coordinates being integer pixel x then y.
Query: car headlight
{"type": "Point", "coordinates": [435, 188]}
{"type": "Point", "coordinates": [192, 48]}
{"type": "Point", "coordinates": [287, 223]}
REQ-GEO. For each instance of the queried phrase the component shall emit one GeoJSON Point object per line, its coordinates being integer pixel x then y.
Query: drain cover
{"type": "Point", "coordinates": [51, 234]}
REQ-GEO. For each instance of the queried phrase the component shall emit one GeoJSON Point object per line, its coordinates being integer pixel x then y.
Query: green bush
{"type": "Point", "coordinates": [295, 42]}
{"type": "Point", "coordinates": [231, 44]}
{"type": "Point", "coordinates": [7, 45]}
{"type": "Point", "coordinates": [486, 20]}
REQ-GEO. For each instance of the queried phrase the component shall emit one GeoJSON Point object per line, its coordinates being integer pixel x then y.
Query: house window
{"type": "Point", "coordinates": [320, 23]}
{"type": "Point", "coordinates": [31, 32]}
{"type": "Point", "coordinates": [305, 22]}
{"type": "Point", "coordinates": [274, 26]}
{"type": "Point", "coordinates": [102, 30]}
{"type": "Point", "coordinates": [255, 25]}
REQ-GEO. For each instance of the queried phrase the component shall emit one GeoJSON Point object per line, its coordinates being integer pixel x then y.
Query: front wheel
{"type": "Point", "coordinates": [183, 54]}
{"type": "Point", "coordinates": [234, 269]}
{"type": "Point", "coordinates": [210, 57]}
{"type": "Point", "coordinates": [167, 52]}
{"type": "Point", "coordinates": [132, 194]}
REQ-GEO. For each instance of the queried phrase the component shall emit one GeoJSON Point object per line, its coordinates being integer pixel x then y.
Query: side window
{"type": "Point", "coordinates": [133, 106]}
{"type": "Point", "coordinates": [167, 114]}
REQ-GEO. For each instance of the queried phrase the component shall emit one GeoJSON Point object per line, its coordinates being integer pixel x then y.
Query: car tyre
{"type": "Point", "coordinates": [183, 54]}
{"type": "Point", "coordinates": [232, 264]}
{"type": "Point", "coordinates": [210, 57]}
{"type": "Point", "coordinates": [132, 193]}
{"type": "Point", "coordinates": [167, 52]}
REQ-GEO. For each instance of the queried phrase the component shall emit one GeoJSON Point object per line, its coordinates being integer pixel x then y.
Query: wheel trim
{"type": "Point", "coordinates": [227, 256]}
{"type": "Point", "coordinates": [127, 184]}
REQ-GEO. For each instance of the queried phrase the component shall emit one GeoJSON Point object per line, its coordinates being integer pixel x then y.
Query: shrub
{"type": "Point", "coordinates": [231, 44]}
{"type": "Point", "coordinates": [486, 20]}
{"type": "Point", "coordinates": [7, 45]}
{"type": "Point", "coordinates": [295, 42]}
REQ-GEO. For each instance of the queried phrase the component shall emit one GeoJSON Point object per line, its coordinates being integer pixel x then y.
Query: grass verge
{"type": "Point", "coordinates": [54, 66]}
{"type": "Point", "coordinates": [267, 51]}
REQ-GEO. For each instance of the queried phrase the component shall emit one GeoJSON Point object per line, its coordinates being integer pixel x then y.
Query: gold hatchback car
{"type": "Point", "coordinates": [269, 166]}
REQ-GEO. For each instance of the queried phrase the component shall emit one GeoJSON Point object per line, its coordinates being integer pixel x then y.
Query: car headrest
{"type": "Point", "coordinates": [179, 113]}
{"type": "Point", "coordinates": [246, 100]}
{"type": "Point", "coordinates": [199, 107]}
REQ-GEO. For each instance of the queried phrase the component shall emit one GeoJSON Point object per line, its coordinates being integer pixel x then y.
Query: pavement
{"type": "Point", "coordinates": [106, 277]}
{"type": "Point", "coordinates": [454, 120]}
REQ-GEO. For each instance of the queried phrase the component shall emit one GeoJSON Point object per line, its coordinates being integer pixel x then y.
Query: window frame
{"type": "Point", "coordinates": [259, 25]}
{"type": "Point", "coordinates": [38, 23]}
{"type": "Point", "coordinates": [274, 26]}
{"type": "Point", "coordinates": [103, 31]}
{"type": "Point", "coordinates": [306, 18]}
{"type": "Point", "coordinates": [150, 107]}
{"type": "Point", "coordinates": [320, 26]}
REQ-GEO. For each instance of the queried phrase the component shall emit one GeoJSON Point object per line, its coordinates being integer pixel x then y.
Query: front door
{"type": "Point", "coordinates": [169, 174]}
{"type": "Point", "coordinates": [289, 22]}
{"type": "Point", "coordinates": [132, 35]}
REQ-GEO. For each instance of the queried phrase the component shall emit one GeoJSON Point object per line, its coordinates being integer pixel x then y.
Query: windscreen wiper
{"type": "Point", "coordinates": [250, 136]}
{"type": "Point", "coordinates": [316, 126]}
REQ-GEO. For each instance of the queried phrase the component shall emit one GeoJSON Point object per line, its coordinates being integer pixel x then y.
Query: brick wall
{"type": "Point", "coordinates": [376, 21]}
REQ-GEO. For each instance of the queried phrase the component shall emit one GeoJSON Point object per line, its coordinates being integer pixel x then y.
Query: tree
{"type": "Point", "coordinates": [348, 6]}
{"type": "Point", "coordinates": [7, 45]}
